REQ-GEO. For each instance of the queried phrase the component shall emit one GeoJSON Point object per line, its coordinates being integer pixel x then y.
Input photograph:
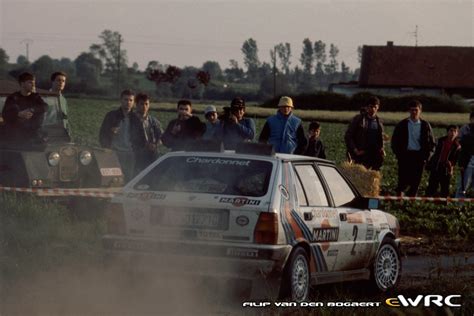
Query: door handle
{"type": "Point", "coordinates": [343, 217]}
{"type": "Point", "coordinates": [308, 216]}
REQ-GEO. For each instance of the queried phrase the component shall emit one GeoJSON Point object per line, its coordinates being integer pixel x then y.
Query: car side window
{"type": "Point", "coordinates": [300, 193]}
{"type": "Point", "coordinates": [340, 189]}
{"type": "Point", "coordinates": [312, 186]}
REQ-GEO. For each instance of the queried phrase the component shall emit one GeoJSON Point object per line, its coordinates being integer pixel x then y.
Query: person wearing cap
{"type": "Point", "coordinates": [284, 130]}
{"type": "Point", "coordinates": [234, 128]}
{"type": "Point", "coordinates": [212, 124]}
{"type": "Point", "coordinates": [24, 112]}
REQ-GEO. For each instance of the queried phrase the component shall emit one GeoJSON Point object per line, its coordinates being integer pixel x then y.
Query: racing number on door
{"type": "Point", "coordinates": [355, 231]}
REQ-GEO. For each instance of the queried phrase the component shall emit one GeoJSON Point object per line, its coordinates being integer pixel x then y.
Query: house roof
{"type": "Point", "coordinates": [422, 66]}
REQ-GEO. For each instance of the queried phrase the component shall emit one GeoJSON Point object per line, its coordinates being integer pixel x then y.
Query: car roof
{"type": "Point", "coordinates": [233, 154]}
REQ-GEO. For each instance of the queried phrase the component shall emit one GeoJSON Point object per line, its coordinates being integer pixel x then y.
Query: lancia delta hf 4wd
{"type": "Point", "coordinates": [285, 222]}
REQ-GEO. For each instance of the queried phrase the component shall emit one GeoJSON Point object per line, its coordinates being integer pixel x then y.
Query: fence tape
{"type": "Point", "coordinates": [110, 194]}
{"type": "Point", "coordinates": [63, 192]}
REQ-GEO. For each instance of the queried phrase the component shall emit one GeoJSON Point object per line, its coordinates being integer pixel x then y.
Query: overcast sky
{"type": "Point", "coordinates": [190, 32]}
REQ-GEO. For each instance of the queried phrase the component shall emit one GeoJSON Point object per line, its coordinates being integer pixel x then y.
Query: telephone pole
{"type": "Point", "coordinates": [118, 63]}
{"type": "Point", "coordinates": [415, 34]}
{"type": "Point", "coordinates": [274, 72]}
{"type": "Point", "coordinates": [27, 42]}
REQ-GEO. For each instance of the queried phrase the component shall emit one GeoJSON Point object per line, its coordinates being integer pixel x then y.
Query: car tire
{"type": "Point", "coordinates": [387, 267]}
{"type": "Point", "coordinates": [296, 278]}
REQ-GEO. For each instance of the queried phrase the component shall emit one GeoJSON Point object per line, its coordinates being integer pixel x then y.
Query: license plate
{"type": "Point", "coordinates": [208, 219]}
{"type": "Point", "coordinates": [110, 172]}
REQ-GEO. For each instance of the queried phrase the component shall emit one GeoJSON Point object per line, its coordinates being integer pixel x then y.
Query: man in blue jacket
{"type": "Point", "coordinates": [284, 130]}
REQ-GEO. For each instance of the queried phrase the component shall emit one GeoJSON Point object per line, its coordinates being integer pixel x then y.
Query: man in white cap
{"type": "Point", "coordinates": [284, 130]}
{"type": "Point", "coordinates": [212, 124]}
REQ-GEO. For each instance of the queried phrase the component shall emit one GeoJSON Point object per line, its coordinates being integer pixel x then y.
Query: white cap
{"type": "Point", "coordinates": [209, 109]}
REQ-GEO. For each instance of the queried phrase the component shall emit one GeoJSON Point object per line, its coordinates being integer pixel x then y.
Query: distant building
{"type": "Point", "coordinates": [402, 70]}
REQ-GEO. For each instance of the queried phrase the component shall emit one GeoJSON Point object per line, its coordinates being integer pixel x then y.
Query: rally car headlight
{"type": "Point", "coordinates": [85, 157]}
{"type": "Point", "coordinates": [53, 159]}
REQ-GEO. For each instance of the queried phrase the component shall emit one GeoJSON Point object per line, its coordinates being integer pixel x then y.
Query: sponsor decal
{"type": "Point", "coordinates": [239, 201]}
{"type": "Point", "coordinates": [137, 214]}
{"type": "Point", "coordinates": [284, 192]}
{"type": "Point", "coordinates": [241, 252]}
{"type": "Point", "coordinates": [355, 218]}
{"type": "Point", "coordinates": [242, 220]}
{"type": "Point", "coordinates": [145, 196]}
{"type": "Point", "coordinates": [370, 232]}
{"type": "Point", "coordinates": [218, 161]}
{"type": "Point", "coordinates": [424, 300]}
{"type": "Point", "coordinates": [333, 252]}
{"type": "Point", "coordinates": [325, 234]}
{"type": "Point", "coordinates": [324, 213]}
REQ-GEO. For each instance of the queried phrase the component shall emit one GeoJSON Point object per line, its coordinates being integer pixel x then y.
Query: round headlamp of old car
{"type": "Point", "coordinates": [53, 159]}
{"type": "Point", "coordinates": [85, 157]}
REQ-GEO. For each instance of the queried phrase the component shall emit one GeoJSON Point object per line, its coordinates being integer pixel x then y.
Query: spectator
{"type": "Point", "coordinates": [117, 132]}
{"type": "Point", "coordinates": [315, 145]}
{"type": "Point", "coordinates": [58, 83]}
{"type": "Point", "coordinates": [412, 144]}
{"type": "Point", "coordinates": [212, 124]}
{"type": "Point", "coordinates": [185, 128]}
{"type": "Point", "coordinates": [148, 135]}
{"type": "Point", "coordinates": [364, 137]}
{"type": "Point", "coordinates": [24, 112]}
{"type": "Point", "coordinates": [466, 158]}
{"type": "Point", "coordinates": [234, 128]}
{"type": "Point", "coordinates": [441, 164]}
{"type": "Point", "coordinates": [284, 130]}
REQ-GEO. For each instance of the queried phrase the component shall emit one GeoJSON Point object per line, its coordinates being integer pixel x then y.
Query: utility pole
{"type": "Point", "coordinates": [118, 64]}
{"type": "Point", "coordinates": [415, 34]}
{"type": "Point", "coordinates": [27, 42]}
{"type": "Point", "coordinates": [274, 71]}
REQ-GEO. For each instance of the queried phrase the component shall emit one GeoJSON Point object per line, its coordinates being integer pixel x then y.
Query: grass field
{"type": "Point", "coordinates": [86, 117]}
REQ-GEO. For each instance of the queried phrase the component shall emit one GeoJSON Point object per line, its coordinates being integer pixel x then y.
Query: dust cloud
{"type": "Point", "coordinates": [114, 288]}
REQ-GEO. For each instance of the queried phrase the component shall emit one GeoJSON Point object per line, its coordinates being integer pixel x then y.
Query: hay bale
{"type": "Point", "coordinates": [366, 181]}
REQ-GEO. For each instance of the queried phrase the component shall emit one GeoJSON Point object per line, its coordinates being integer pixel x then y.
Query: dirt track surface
{"type": "Point", "coordinates": [111, 290]}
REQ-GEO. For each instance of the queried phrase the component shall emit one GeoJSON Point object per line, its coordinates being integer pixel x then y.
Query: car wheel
{"type": "Point", "coordinates": [296, 280]}
{"type": "Point", "coordinates": [387, 267]}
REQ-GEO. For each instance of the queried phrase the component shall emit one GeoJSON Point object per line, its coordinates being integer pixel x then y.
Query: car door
{"type": "Point", "coordinates": [318, 216]}
{"type": "Point", "coordinates": [355, 227]}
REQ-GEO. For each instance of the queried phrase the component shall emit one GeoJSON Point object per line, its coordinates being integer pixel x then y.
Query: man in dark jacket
{"type": "Point", "coordinates": [284, 130]}
{"type": "Point", "coordinates": [466, 159]}
{"type": "Point", "coordinates": [186, 128]}
{"type": "Point", "coordinates": [234, 127]}
{"type": "Point", "coordinates": [412, 143]}
{"type": "Point", "coordinates": [364, 137]}
{"type": "Point", "coordinates": [118, 133]}
{"type": "Point", "coordinates": [441, 164]}
{"type": "Point", "coordinates": [24, 112]}
{"type": "Point", "coordinates": [148, 136]}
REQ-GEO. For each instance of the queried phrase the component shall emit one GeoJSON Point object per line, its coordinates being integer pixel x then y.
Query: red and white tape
{"type": "Point", "coordinates": [423, 199]}
{"type": "Point", "coordinates": [64, 192]}
{"type": "Point", "coordinates": [116, 191]}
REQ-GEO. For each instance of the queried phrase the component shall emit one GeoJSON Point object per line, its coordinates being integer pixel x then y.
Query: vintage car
{"type": "Point", "coordinates": [285, 222]}
{"type": "Point", "coordinates": [56, 162]}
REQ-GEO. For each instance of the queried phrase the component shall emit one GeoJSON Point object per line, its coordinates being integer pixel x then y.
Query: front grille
{"type": "Point", "coordinates": [69, 164]}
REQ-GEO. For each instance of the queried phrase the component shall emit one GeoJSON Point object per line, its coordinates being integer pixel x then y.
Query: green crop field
{"type": "Point", "coordinates": [86, 117]}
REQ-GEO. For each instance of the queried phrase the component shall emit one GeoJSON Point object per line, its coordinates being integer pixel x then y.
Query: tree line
{"type": "Point", "coordinates": [104, 70]}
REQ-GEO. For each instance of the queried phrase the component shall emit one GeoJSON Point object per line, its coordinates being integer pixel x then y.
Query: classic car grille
{"type": "Point", "coordinates": [69, 164]}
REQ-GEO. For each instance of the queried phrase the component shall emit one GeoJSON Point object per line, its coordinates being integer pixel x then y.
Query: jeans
{"type": "Point", "coordinates": [467, 180]}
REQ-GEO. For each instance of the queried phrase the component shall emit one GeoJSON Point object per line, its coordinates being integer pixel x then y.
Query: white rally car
{"type": "Point", "coordinates": [286, 222]}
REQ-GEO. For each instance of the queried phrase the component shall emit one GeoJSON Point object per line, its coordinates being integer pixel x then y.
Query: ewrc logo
{"type": "Point", "coordinates": [239, 201]}
{"type": "Point", "coordinates": [428, 300]}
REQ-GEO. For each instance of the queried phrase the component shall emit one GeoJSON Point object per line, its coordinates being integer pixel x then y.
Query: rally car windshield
{"type": "Point", "coordinates": [197, 174]}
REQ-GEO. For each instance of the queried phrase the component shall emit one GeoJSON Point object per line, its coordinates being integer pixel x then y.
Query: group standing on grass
{"type": "Point", "coordinates": [135, 135]}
